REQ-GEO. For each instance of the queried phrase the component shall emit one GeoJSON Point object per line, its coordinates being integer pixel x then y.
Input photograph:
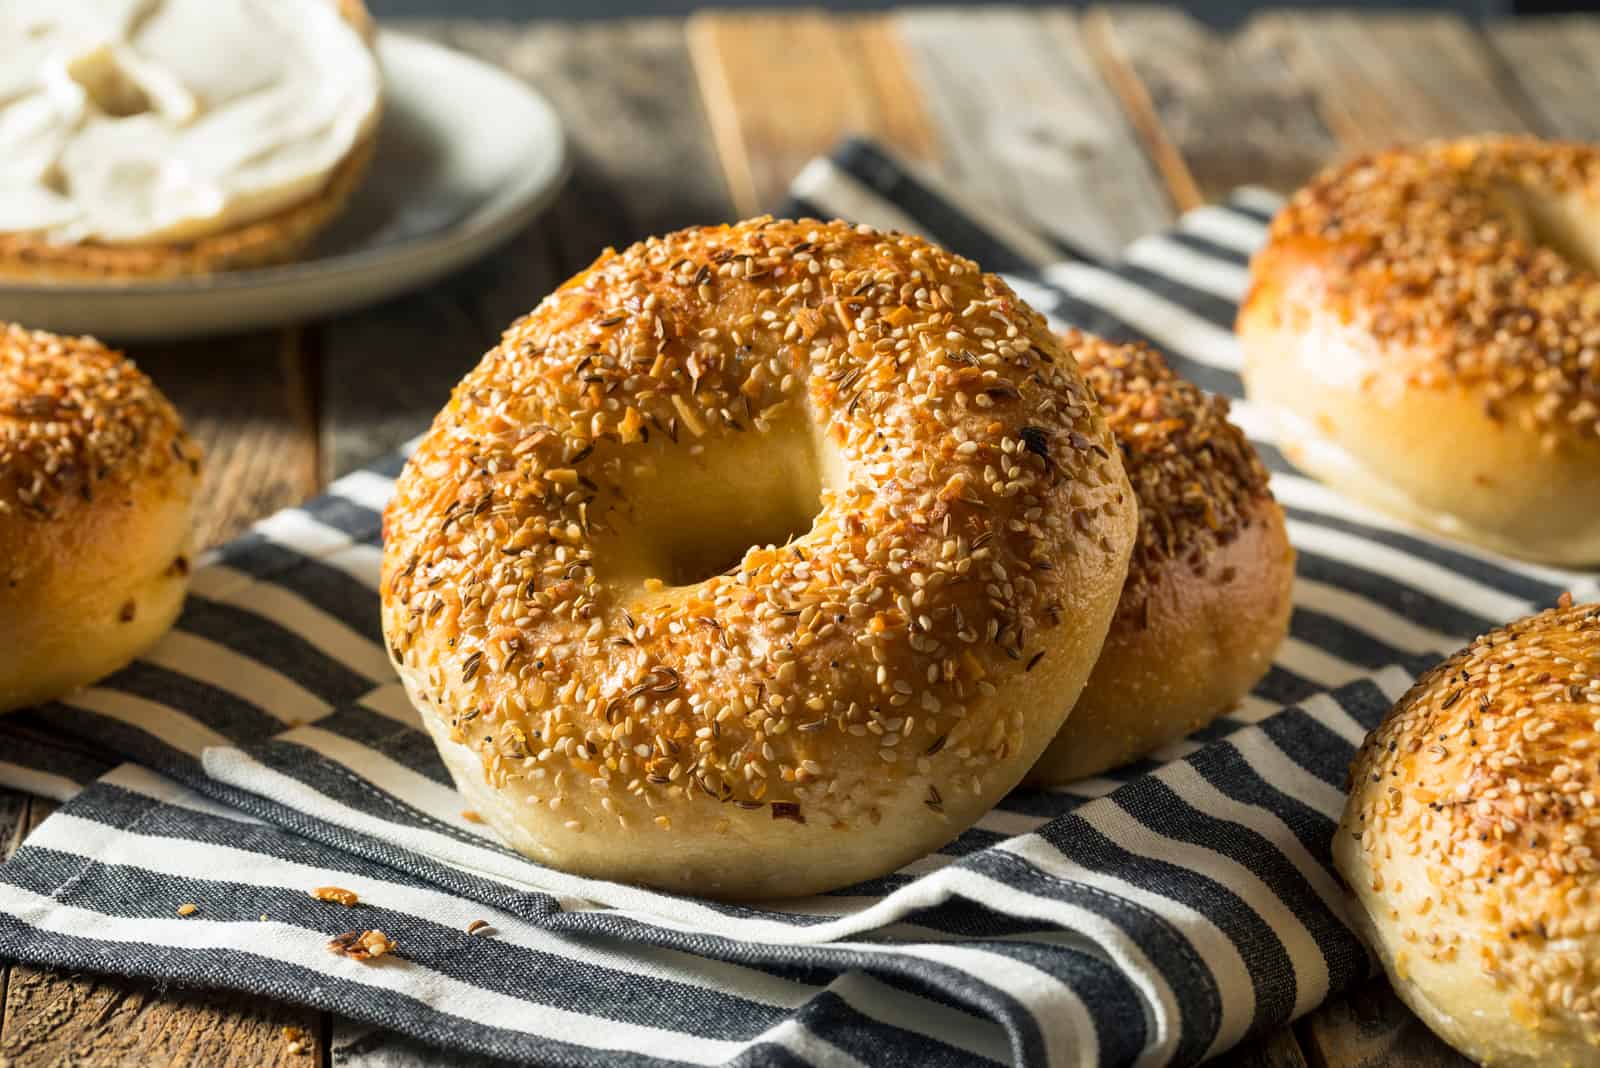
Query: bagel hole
{"type": "Point", "coordinates": [695, 555]}
{"type": "Point", "coordinates": [1567, 225]}
{"type": "Point", "coordinates": [683, 518]}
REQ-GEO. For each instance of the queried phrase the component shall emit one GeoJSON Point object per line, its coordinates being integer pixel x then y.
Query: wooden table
{"type": "Point", "coordinates": [1097, 126]}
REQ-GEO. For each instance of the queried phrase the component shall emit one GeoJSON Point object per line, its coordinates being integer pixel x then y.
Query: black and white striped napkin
{"type": "Point", "coordinates": [1154, 916]}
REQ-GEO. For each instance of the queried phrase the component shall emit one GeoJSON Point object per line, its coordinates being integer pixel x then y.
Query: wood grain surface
{"type": "Point", "coordinates": [645, 163]}
{"type": "Point", "coordinates": [1092, 127]}
{"type": "Point", "coordinates": [248, 400]}
{"type": "Point", "coordinates": [1024, 121]}
{"type": "Point", "coordinates": [780, 91]}
{"type": "Point", "coordinates": [1388, 78]}
{"type": "Point", "coordinates": [1553, 65]}
{"type": "Point", "coordinates": [1215, 111]}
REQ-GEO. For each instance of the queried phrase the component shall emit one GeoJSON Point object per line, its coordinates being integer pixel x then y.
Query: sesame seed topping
{"type": "Point", "coordinates": [972, 461]}
{"type": "Point", "coordinates": [1451, 252]}
{"type": "Point", "coordinates": [1197, 477]}
{"type": "Point", "coordinates": [77, 419]}
{"type": "Point", "coordinates": [1485, 774]}
{"type": "Point", "coordinates": [336, 895]}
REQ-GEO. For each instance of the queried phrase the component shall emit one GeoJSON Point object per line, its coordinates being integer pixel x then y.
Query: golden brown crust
{"type": "Point", "coordinates": [1441, 249]}
{"type": "Point", "coordinates": [972, 534]}
{"type": "Point", "coordinates": [97, 480]}
{"type": "Point", "coordinates": [278, 238]}
{"type": "Point", "coordinates": [1198, 478]}
{"type": "Point", "coordinates": [356, 14]}
{"type": "Point", "coordinates": [1469, 841]}
{"type": "Point", "coordinates": [1207, 600]}
{"type": "Point", "coordinates": [77, 420]}
{"type": "Point", "coordinates": [1422, 325]}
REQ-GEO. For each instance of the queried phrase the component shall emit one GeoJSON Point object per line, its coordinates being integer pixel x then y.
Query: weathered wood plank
{"type": "Point", "coordinates": [97, 1022]}
{"type": "Point", "coordinates": [13, 821]}
{"type": "Point", "coordinates": [644, 164]}
{"type": "Point", "coordinates": [1555, 64]}
{"type": "Point", "coordinates": [1025, 121]}
{"type": "Point", "coordinates": [782, 88]}
{"type": "Point", "coordinates": [901, 120]}
{"type": "Point", "coordinates": [1215, 111]}
{"type": "Point", "coordinates": [356, 1045]}
{"type": "Point", "coordinates": [247, 400]}
{"type": "Point", "coordinates": [14, 827]}
{"type": "Point", "coordinates": [1277, 1049]}
{"type": "Point", "coordinates": [386, 371]}
{"type": "Point", "coordinates": [626, 91]}
{"type": "Point", "coordinates": [1371, 1028]}
{"type": "Point", "coordinates": [1381, 79]}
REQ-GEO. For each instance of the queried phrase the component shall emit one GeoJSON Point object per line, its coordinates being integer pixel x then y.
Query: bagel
{"type": "Point", "coordinates": [1423, 328]}
{"type": "Point", "coordinates": [1469, 842]}
{"type": "Point", "coordinates": [757, 560]}
{"type": "Point", "coordinates": [1207, 599]}
{"type": "Point", "coordinates": [255, 239]}
{"type": "Point", "coordinates": [97, 491]}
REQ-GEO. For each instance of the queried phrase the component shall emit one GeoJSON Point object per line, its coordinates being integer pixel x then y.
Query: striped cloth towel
{"type": "Point", "coordinates": [1155, 916]}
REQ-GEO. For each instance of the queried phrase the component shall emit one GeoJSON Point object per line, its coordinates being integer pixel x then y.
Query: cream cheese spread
{"type": "Point", "coordinates": [134, 121]}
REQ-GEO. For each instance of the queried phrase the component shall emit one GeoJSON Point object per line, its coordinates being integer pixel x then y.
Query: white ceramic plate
{"type": "Point", "coordinates": [467, 156]}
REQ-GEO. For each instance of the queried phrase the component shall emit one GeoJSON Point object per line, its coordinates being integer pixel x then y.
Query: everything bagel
{"type": "Point", "coordinates": [98, 482]}
{"type": "Point", "coordinates": [1423, 326]}
{"type": "Point", "coordinates": [1207, 600]}
{"type": "Point", "coordinates": [757, 560]}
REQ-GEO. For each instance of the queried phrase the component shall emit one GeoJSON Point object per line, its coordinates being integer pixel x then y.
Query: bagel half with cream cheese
{"type": "Point", "coordinates": [138, 156]}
